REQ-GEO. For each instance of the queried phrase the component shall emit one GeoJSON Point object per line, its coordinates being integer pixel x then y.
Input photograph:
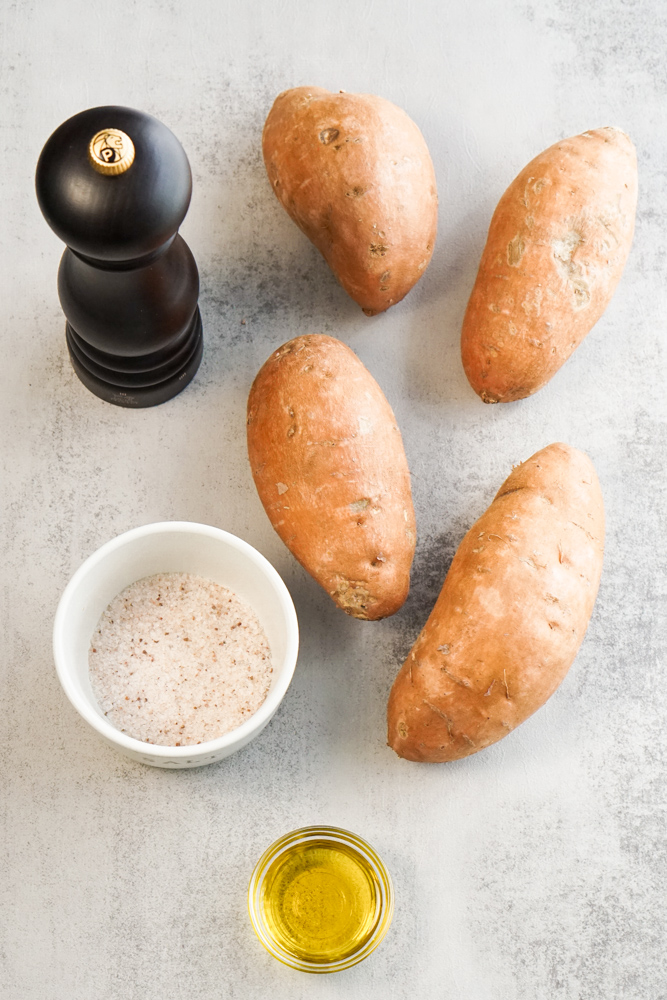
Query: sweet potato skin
{"type": "Point", "coordinates": [556, 248]}
{"type": "Point", "coordinates": [328, 462]}
{"type": "Point", "coordinates": [354, 173]}
{"type": "Point", "coordinates": [511, 615]}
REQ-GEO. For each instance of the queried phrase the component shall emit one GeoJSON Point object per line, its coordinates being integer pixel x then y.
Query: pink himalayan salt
{"type": "Point", "coordinates": [177, 660]}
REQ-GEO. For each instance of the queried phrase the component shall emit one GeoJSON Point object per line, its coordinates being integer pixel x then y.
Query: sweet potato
{"type": "Point", "coordinates": [354, 173]}
{"type": "Point", "coordinates": [511, 614]}
{"type": "Point", "coordinates": [556, 248]}
{"type": "Point", "coordinates": [328, 462]}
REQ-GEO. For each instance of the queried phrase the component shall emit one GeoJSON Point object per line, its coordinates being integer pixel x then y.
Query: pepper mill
{"type": "Point", "coordinates": [114, 184]}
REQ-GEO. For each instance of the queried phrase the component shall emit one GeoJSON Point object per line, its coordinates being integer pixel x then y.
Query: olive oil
{"type": "Point", "coordinates": [321, 900]}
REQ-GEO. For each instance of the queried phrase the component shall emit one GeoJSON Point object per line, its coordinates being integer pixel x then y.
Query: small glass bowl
{"type": "Point", "coordinates": [383, 892]}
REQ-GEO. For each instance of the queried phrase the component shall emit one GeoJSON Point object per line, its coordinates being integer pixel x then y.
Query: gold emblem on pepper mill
{"type": "Point", "coordinates": [111, 151]}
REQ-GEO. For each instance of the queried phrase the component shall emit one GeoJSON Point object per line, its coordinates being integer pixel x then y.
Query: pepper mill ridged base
{"type": "Point", "coordinates": [144, 389]}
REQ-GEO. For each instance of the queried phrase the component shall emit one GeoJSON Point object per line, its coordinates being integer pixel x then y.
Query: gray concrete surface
{"type": "Point", "coordinates": [533, 870]}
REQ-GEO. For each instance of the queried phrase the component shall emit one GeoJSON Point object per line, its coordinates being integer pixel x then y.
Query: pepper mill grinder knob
{"type": "Point", "coordinates": [115, 184]}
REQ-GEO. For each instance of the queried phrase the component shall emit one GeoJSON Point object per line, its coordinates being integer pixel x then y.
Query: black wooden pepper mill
{"type": "Point", "coordinates": [114, 184]}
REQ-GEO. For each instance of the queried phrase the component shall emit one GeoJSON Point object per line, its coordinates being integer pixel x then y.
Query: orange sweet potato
{"type": "Point", "coordinates": [511, 615]}
{"type": "Point", "coordinates": [354, 173]}
{"type": "Point", "coordinates": [556, 248]}
{"type": "Point", "coordinates": [328, 462]}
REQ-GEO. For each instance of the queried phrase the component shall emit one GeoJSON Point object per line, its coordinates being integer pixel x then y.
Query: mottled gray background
{"type": "Point", "coordinates": [535, 869]}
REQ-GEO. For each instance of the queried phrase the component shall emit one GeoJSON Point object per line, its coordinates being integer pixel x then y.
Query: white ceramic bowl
{"type": "Point", "coordinates": [173, 547]}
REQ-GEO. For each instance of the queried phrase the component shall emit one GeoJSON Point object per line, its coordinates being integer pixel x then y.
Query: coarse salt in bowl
{"type": "Point", "coordinates": [173, 547]}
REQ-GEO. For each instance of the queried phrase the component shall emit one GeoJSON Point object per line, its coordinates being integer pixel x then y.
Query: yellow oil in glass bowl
{"type": "Point", "coordinates": [320, 899]}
